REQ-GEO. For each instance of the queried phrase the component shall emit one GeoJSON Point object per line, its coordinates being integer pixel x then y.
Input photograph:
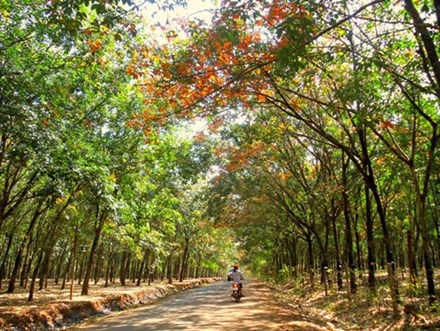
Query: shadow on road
{"type": "Point", "coordinates": [206, 308]}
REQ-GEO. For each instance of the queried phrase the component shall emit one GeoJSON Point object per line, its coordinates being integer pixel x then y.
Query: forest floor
{"type": "Point", "coordinates": [361, 311]}
{"type": "Point", "coordinates": [52, 309]}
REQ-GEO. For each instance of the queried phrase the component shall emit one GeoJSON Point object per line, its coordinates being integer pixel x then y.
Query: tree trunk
{"type": "Point", "coordinates": [108, 267]}
{"type": "Point", "coordinates": [170, 268]}
{"type": "Point", "coordinates": [27, 265]}
{"type": "Point", "coordinates": [427, 257]}
{"type": "Point", "coordinates": [73, 259]}
{"type": "Point", "coordinates": [66, 271]}
{"type": "Point", "coordinates": [311, 264]}
{"type": "Point", "coordinates": [365, 167]}
{"type": "Point", "coordinates": [337, 254]}
{"type": "Point", "coordinates": [412, 261]}
{"type": "Point", "coordinates": [437, 231]}
{"type": "Point", "coordinates": [184, 260]}
{"type": "Point", "coordinates": [359, 256]}
{"type": "Point", "coordinates": [429, 53]}
{"type": "Point", "coordinates": [3, 265]}
{"type": "Point", "coordinates": [198, 265]}
{"type": "Point", "coordinates": [127, 266]}
{"type": "Point", "coordinates": [60, 264]}
{"type": "Point", "coordinates": [34, 278]}
{"type": "Point", "coordinates": [348, 232]}
{"type": "Point", "coordinates": [122, 270]}
{"type": "Point", "coordinates": [98, 229]}
{"type": "Point", "coordinates": [391, 265]}
{"type": "Point", "coordinates": [99, 264]}
{"type": "Point", "coordinates": [49, 241]}
{"type": "Point", "coordinates": [370, 242]}
{"type": "Point", "coordinates": [142, 268]}
{"type": "Point", "coordinates": [45, 267]}
{"type": "Point", "coordinates": [22, 247]}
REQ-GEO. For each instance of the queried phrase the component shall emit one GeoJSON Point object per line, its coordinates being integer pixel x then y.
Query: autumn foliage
{"type": "Point", "coordinates": [225, 64]}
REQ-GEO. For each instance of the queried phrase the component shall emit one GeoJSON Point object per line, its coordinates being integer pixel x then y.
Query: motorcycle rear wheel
{"type": "Point", "coordinates": [237, 296]}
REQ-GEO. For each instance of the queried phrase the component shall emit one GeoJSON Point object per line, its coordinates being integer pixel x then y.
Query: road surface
{"type": "Point", "coordinates": [205, 308]}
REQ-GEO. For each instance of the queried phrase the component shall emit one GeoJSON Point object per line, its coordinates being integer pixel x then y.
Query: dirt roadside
{"type": "Point", "coordinates": [289, 317]}
{"type": "Point", "coordinates": [52, 310]}
{"type": "Point", "coordinates": [211, 308]}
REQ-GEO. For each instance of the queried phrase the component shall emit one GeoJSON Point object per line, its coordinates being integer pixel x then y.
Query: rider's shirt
{"type": "Point", "coordinates": [237, 276]}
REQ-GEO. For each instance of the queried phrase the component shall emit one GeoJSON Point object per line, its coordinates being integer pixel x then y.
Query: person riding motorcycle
{"type": "Point", "coordinates": [237, 276]}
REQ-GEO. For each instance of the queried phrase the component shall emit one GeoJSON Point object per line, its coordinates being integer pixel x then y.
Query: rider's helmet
{"type": "Point", "coordinates": [235, 266]}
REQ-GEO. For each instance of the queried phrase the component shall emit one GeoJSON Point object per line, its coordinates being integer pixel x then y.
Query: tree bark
{"type": "Point", "coordinates": [22, 247]}
{"type": "Point", "coordinates": [34, 278]}
{"type": "Point", "coordinates": [183, 265]}
{"type": "Point", "coordinates": [311, 264]}
{"type": "Point", "coordinates": [430, 57]}
{"type": "Point", "coordinates": [98, 230]}
{"type": "Point", "coordinates": [142, 268]}
{"type": "Point", "coordinates": [348, 231]}
{"type": "Point", "coordinates": [337, 254]}
{"type": "Point", "coordinates": [3, 265]}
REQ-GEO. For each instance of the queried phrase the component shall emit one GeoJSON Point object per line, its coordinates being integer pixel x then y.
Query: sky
{"type": "Point", "coordinates": [199, 9]}
{"type": "Point", "coordinates": [195, 9]}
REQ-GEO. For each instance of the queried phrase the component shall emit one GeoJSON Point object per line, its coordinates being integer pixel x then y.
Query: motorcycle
{"type": "Point", "coordinates": [236, 291]}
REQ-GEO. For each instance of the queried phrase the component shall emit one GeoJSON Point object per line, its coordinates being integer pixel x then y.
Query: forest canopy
{"type": "Point", "coordinates": [318, 154]}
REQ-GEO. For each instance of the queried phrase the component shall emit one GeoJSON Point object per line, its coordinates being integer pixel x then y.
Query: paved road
{"type": "Point", "coordinates": [206, 308]}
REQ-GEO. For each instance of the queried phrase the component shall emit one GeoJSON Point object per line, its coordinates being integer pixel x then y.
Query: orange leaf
{"type": "Point", "coordinates": [261, 98]}
{"type": "Point", "coordinates": [387, 125]}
